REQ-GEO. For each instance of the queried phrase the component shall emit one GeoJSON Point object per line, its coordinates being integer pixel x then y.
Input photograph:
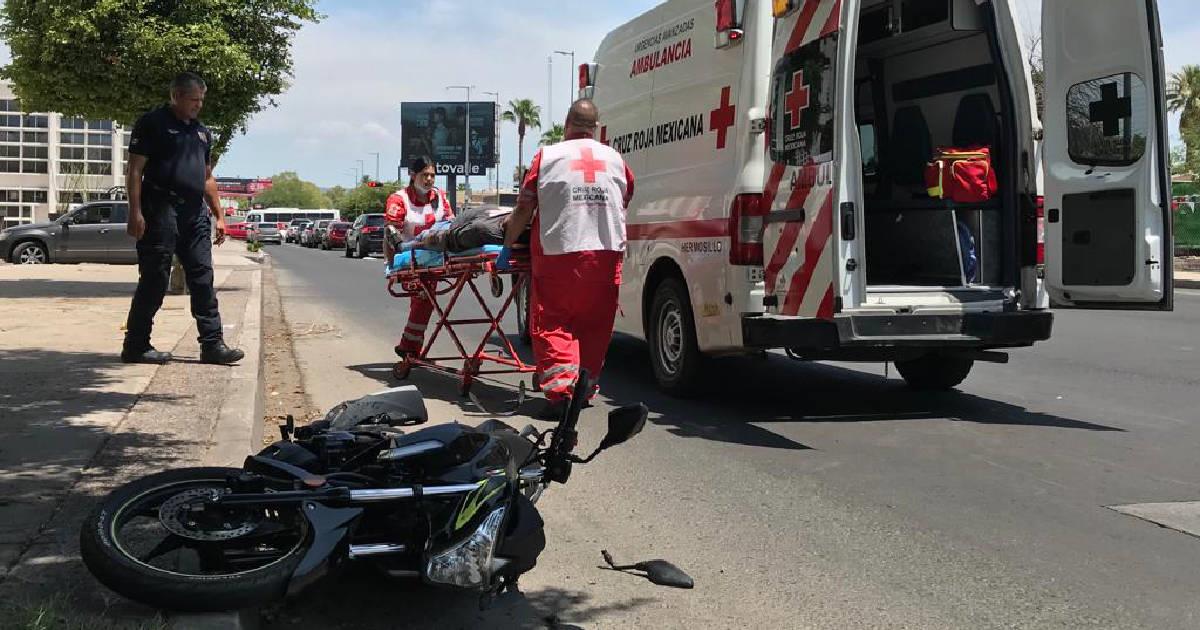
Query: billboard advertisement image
{"type": "Point", "coordinates": [439, 130]}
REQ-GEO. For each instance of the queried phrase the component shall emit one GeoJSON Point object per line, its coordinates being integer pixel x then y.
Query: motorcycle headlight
{"type": "Point", "coordinates": [469, 563]}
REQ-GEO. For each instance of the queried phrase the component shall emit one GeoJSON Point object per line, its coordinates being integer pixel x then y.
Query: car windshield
{"type": "Point", "coordinates": [374, 219]}
{"type": "Point", "coordinates": [339, 226]}
{"type": "Point", "coordinates": [266, 226]}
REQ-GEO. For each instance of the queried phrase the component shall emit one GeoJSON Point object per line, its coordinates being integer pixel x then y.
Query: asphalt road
{"type": "Point", "coordinates": [824, 495]}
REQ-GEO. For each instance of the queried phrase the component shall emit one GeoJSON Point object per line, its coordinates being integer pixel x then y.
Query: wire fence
{"type": "Point", "coordinates": [1187, 229]}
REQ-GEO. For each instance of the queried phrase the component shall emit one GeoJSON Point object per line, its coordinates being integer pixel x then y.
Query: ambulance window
{"type": "Point", "coordinates": [870, 153]}
{"type": "Point", "coordinates": [803, 104]}
{"type": "Point", "coordinates": [1106, 120]}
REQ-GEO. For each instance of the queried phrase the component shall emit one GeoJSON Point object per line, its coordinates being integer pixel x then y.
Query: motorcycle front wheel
{"type": "Point", "coordinates": [155, 541]}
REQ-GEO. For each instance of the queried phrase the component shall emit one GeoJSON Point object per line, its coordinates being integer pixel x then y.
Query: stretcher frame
{"type": "Point", "coordinates": [452, 278]}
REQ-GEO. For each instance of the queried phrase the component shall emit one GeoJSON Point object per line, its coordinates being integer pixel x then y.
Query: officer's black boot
{"type": "Point", "coordinates": [220, 354]}
{"type": "Point", "coordinates": [150, 355]}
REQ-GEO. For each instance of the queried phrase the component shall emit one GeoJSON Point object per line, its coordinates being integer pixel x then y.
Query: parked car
{"type": "Point", "coordinates": [292, 235]}
{"type": "Point", "coordinates": [365, 236]}
{"type": "Point", "coordinates": [335, 236]}
{"type": "Point", "coordinates": [236, 229]}
{"type": "Point", "coordinates": [90, 233]}
{"type": "Point", "coordinates": [308, 235]}
{"type": "Point", "coordinates": [264, 233]}
{"type": "Point", "coordinates": [319, 233]}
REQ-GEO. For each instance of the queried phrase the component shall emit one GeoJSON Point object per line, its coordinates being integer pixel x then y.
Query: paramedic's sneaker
{"type": "Point", "coordinates": [150, 355]}
{"type": "Point", "coordinates": [552, 411]}
{"type": "Point", "coordinates": [220, 354]}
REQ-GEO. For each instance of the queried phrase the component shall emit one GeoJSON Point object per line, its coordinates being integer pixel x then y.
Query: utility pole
{"type": "Point", "coordinates": [549, 89]}
{"type": "Point", "coordinates": [466, 140]}
{"type": "Point", "coordinates": [353, 172]}
{"type": "Point", "coordinates": [362, 170]}
{"type": "Point", "coordinates": [496, 143]}
{"type": "Point", "coordinates": [570, 77]}
{"type": "Point", "coordinates": [376, 164]}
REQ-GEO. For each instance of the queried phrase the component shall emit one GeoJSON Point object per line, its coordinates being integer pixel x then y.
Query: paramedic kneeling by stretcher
{"type": "Point", "coordinates": [410, 211]}
{"type": "Point", "coordinates": [576, 193]}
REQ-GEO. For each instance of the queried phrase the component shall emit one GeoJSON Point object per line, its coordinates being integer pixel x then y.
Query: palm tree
{"type": "Point", "coordinates": [525, 114]}
{"type": "Point", "coordinates": [553, 136]}
{"type": "Point", "coordinates": [1183, 95]}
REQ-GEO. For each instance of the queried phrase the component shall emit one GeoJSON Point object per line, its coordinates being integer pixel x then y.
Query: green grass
{"type": "Point", "coordinates": [56, 613]}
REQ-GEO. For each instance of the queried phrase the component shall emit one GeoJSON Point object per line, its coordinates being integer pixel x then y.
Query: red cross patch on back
{"type": "Point", "coordinates": [588, 165]}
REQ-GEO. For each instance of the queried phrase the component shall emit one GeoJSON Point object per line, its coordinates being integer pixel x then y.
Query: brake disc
{"type": "Point", "coordinates": [184, 515]}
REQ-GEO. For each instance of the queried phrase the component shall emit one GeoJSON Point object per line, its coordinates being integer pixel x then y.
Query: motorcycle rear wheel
{"type": "Point", "coordinates": [258, 549]}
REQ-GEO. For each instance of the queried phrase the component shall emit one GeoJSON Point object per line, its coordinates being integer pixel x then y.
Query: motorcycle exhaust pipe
{"type": "Point", "coordinates": [381, 549]}
{"type": "Point", "coordinates": [374, 495]}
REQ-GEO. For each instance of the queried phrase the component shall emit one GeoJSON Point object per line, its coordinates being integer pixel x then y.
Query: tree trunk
{"type": "Point", "coordinates": [520, 160]}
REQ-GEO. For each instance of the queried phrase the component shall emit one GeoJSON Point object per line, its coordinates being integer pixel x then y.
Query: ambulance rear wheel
{"type": "Point", "coordinates": [523, 313]}
{"type": "Point", "coordinates": [935, 373]}
{"type": "Point", "coordinates": [674, 353]}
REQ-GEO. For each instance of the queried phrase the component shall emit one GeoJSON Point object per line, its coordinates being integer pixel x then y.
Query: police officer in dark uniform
{"type": "Point", "coordinates": [169, 180]}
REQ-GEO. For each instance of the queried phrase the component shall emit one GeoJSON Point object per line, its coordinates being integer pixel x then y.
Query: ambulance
{"type": "Point", "coordinates": [783, 153]}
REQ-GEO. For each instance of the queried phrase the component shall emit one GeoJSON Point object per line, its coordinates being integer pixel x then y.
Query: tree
{"type": "Point", "coordinates": [525, 114]}
{"type": "Point", "coordinates": [553, 136]}
{"type": "Point", "coordinates": [337, 196]}
{"type": "Point", "coordinates": [114, 59]}
{"type": "Point", "coordinates": [1037, 71]}
{"type": "Point", "coordinates": [363, 199]}
{"type": "Point", "coordinates": [1183, 96]}
{"type": "Point", "coordinates": [289, 191]}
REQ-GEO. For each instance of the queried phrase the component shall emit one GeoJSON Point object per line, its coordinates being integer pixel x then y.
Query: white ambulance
{"type": "Point", "coordinates": [779, 150]}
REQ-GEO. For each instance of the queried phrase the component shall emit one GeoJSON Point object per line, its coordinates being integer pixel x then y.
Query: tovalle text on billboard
{"type": "Point", "coordinates": [438, 130]}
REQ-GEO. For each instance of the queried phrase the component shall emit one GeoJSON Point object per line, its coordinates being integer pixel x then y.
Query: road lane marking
{"type": "Point", "coordinates": [1182, 516]}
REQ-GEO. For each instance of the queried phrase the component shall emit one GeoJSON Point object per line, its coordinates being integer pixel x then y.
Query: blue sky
{"type": "Point", "coordinates": [354, 68]}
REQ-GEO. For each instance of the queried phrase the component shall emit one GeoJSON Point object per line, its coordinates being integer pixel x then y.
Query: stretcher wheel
{"type": "Point", "coordinates": [497, 287]}
{"type": "Point", "coordinates": [535, 382]}
{"type": "Point", "coordinates": [401, 369]}
{"type": "Point", "coordinates": [469, 369]}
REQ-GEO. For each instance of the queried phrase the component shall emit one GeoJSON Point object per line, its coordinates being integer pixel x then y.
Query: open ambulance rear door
{"type": "Point", "coordinates": [1108, 192]}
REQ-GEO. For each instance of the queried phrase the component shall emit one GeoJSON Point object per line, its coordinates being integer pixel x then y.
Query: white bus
{"type": "Point", "coordinates": [284, 215]}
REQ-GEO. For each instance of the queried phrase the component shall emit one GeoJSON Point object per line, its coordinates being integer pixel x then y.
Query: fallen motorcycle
{"type": "Point", "coordinates": [450, 504]}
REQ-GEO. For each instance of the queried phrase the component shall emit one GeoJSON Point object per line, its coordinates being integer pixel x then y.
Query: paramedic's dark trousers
{"type": "Point", "coordinates": [184, 230]}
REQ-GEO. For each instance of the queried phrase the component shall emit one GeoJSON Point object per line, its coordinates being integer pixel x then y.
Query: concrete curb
{"type": "Point", "coordinates": [239, 425]}
{"type": "Point", "coordinates": [237, 433]}
{"type": "Point", "coordinates": [1187, 284]}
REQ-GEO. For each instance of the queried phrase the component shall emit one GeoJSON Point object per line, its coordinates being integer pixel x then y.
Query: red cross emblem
{"type": "Point", "coordinates": [588, 165]}
{"type": "Point", "coordinates": [796, 99]}
{"type": "Point", "coordinates": [721, 118]}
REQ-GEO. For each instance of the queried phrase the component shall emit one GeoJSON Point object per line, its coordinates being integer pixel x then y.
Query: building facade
{"type": "Point", "coordinates": [49, 163]}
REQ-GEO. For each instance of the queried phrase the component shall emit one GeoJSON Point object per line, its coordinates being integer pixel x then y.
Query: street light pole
{"type": "Point", "coordinates": [549, 89]}
{"type": "Point", "coordinates": [376, 164]}
{"type": "Point", "coordinates": [466, 140]}
{"type": "Point", "coordinates": [362, 169]}
{"type": "Point", "coordinates": [353, 172]}
{"type": "Point", "coordinates": [570, 75]}
{"type": "Point", "coordinates": [496, 141]}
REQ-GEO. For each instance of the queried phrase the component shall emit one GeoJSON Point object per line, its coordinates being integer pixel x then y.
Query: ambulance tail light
{"type": "Point", "coordinates": [747, 218]}
{"type": "Point", "coordinates": [1041, 230]}
{"type": "Point", "coordinates": [587, 79]}
{"type": "Point", "coordinates": [729, 22]}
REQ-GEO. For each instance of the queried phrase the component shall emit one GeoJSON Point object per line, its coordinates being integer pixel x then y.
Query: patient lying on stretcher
{"type": "Point", "coordinates": [472, 229]}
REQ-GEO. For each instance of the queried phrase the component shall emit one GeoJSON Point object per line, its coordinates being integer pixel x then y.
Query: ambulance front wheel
{"type": "Point", "coordinates": [934, 373]}
{"type": "Point", "coordinates": [674, 354]}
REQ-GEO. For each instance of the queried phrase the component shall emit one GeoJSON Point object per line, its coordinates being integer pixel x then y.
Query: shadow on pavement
{"type": "Point", "coordinates": [445, 387]}
{"type": "Point", "coordinates": [743, 390]}
{"type": "Point", "coordinates": [31, 288]}
{"type": "Point", "coordinates": [362, 598]}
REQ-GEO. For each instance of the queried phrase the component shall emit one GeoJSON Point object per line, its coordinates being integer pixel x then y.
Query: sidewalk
{"type": "Point", "coordinates": [76, 422]}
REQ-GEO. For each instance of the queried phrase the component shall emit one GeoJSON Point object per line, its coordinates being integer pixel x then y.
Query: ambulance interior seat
{"type": "Point", "coordinates": [975, 122]}
{"type": "Point", "coordinates": [910, 149]}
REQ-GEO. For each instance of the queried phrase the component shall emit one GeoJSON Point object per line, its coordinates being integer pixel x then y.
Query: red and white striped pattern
{"type": "Point", "coordinates": [799, 263]}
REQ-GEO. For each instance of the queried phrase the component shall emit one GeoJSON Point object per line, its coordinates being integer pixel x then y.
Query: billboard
{"type": "Point", "coordinates": [236, 186]}
{"type": "Point", "coordinates": [438, 130]}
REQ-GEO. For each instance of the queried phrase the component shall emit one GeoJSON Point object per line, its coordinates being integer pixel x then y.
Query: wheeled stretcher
{"type": "Point", "coordinates": [442, 279]}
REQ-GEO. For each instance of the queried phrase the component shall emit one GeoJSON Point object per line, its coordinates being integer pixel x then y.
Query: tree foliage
{"type": "Point", "coordinates": [525, 114]}
{"type": "Point", "coordinates": [363, 199]}
{"type": "Point", "coordinates": [554, 135]}
{"type": "Point", "coordinates": [289, 191]}
{"type": "Point", "coordinates": [1183, 96]}
{"type": "Point", "coordinates": [114, 59]}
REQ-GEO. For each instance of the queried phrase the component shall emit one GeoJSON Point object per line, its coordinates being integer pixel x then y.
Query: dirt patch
{"type": "Point", "coordinates": [284, 386]}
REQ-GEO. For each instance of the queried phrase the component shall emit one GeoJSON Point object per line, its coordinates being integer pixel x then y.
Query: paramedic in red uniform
{"type": "Point", "coordinates": [410, 211]}
{"type": "Point", "coordinates": [576, 193]}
